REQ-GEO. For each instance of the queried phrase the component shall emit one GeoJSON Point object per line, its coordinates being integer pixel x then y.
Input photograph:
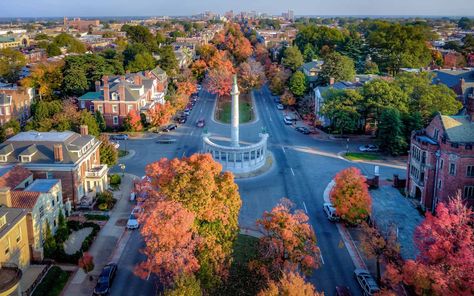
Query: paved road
{"type": "Point", "coordinates": [303, 167]}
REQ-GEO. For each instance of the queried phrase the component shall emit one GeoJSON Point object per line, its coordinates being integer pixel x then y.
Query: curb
{"type": "Point", "coordinates": [131, 153]}
{"type": "Point", "coordinates": [341, 153]}
{"type": "Point", "coordinates": [345, 235]}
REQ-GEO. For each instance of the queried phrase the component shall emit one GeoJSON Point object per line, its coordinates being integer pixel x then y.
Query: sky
{"type": "Point", "coordinates": [59, 8]}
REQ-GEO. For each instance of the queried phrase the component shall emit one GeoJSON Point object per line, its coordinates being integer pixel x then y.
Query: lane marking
{"type": "Point", "coordinates": [148, 277]}
{"type": "Point", "coordinates": [321, 256]}
{"type": "Point", "coordinates": [283, 148]}
{"type": "Point", "coordinates": [270, 119]}
{"type": "Point", "coordinates": [200, 111]}
{"type": "Point", "coordinates": [191, 133]}
{"type": "Point", "coordinates": [184, 154]}
{"type": "Point", "coordinates": [292, 171]}
{"type": "Point", "coordinates": [305, 209]}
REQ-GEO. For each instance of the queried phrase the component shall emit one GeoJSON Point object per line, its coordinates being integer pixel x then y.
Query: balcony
{"type": "Point", "coordinates": [97, 171]}
{"type": "Point", "coordinates": [10, 276]}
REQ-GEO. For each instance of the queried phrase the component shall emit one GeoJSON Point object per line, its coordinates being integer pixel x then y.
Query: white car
{"type": "Point", "coordinates": [198, 87]}
{"type": "Point", "coordinates": [288, 120]}
{"type": "Point", "coordinates": [115, 144]}
{"type": "Point", "coordinates": [369, 148]}
{"type": "Point", "coordinates": [330, 211]}
{"type": "Point", "coordinates": [132, 222]}
{"type": "Point", "coordinates": [280, 107]}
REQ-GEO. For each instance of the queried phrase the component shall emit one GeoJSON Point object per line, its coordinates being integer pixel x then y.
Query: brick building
{"type": "Point", "coordinates": [116, 96]}
{"type": "Point", "coordinates": [441, 160]}
{"type": "Point", "coordinates": [71, 157]}
{"type": "Point", "coordinates": [80, 25]}
{"type": "Point", "coordinates": [15, 103]}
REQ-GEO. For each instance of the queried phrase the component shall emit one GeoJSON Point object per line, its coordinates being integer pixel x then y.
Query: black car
{"type": "Point", "coordinates": [119, 137]}
{"type": "Point", "coordinates": [170, 127]}
{"type": "Point", "coordinates": [105, 280]}
{"type": "Point", "coordinates": [303, 130]}
{"type": "Point", "coordinates": [182, 119]}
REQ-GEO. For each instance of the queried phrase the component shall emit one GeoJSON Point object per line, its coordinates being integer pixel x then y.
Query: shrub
{"type": "Point", "coordinates": [115, 180]}
{"type": "Point", "coordinates": [53, 283]}
{"type": "Point", "coordinates": [106, 198]}
{"type": "Point", "coordinates": [97, 217]}
{"type": "Point", "coordinates": [103, 207]}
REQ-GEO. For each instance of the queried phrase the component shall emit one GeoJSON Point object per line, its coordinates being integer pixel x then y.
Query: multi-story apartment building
{"type": "Point", "coordinates": [116, 96]}
{"type": "Point", "coordinates": [15, 102]}
{"type": "Point", "coordinates": [71, 157]}
{"type": "Point", "coordinates": [14, 249]}
{"type": "Point", "coordinates": [441, 160]}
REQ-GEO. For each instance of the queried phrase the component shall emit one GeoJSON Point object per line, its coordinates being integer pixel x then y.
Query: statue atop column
{"type": "Point", "coordinates": [234, 130]}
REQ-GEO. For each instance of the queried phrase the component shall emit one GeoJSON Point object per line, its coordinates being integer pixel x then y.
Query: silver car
{"type": "Point", "coordinates": [330, 211]}
{"type": "Point", "coordinates": [366, 282]}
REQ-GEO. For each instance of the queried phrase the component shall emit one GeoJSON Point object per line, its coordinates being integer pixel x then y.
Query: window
{"type": "Point", "coordinates": [41, 211]}
{"type": "Point", "coordinates": [100, 109]}
{"type": "Point", "coordinates": [452, 169]}
{"type": "Point", "coordinates": [129, 108]}
{"type": "Point", "coordinates": [441, 163]}
{"type": "Point", "coordinates": [114, 96]}
{"type": "Point", "coordinates": [18, 237]}
{"type": "Point", "coordinates": [114, 108]}
{"type": "Point", "coordinates": [83, 104]}
{"type": "Point", "coordinates": [115, 119]}
{"type": "Point", "coordinates": [3, 220]}
{"type": "Point", "coordinates": [454, 145]}
{"type": "Point", "coordinates": [3, 158]}
{"type": "Point", "coordinates": [7, 111]}
{"type": "Point", "coordinates": [1, 111]}
{"type": "Point", "coordinates": [468, 191]}
{"type": "Point", "coordinates": [439, 184]}
{"type": "Point", "coordinates": [468, 147]}
{"type": "Point", "coordinates": [52, 202]}
{"type": "Point", "coordinates": [91, 108]}
{"type": "Point", "coordinates": [7, 247]}
{"type": "Point", "coordinates": [25, 158]}
{"type": "Point", "coordinates": [435, 134]}
{"type": "Point", "coordinates": [49, 175]}
{"type": "Point", "coordinates": [470, 171]}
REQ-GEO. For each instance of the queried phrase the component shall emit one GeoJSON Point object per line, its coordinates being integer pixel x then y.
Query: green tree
{"type": "Point", "coordinates": [466, 23]}
{"type": "Point", "coordinates": [86, 118]}
{"type": "Point", "coordinates": [411, 121]}
{"type": "Point", "coordinates": [297, 84]}
{"type": "Point", "coordinates": [11, 62]}
{"type": "Point", "coordinates": [99, 117]}
{"type": "Point", "coordinates": [186, 285]}
{"type": "Point", "coordinates": [62, 232]}
{"type": "Point", "coordinates": [292, 58]}
{"type": "Point", "coordinates": [342, 108]}
{"type": "Point", "coordinates": [371, 67]}
{"type": "Point", "coordinates": [53, 50]}
{"type": "Point", "coordinates": [168, 61]}
{"type": "Point", "coordinates": [142, 35]}
{"type": "Point", "coordinates": [70, 43]}
{"type": "Point", "coordinates": [75, 82]}
{"type": "Point", "coordinates": [337, 66]}
{"type": "Point", "coordinates": [141, 62]}
{"type": "Point", "coordinates": [108, 153]}
{"type": "Point", "coordinates": [390, 132]}
{"type": "Point", "coordinates": [309, 53]}
{"type": "Point", "coordinates": [49, 245]}
{"type": "Point", "coordinates": [319, 36]}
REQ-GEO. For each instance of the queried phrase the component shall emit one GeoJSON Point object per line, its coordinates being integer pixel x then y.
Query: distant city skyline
{"type": "Point", "coordinates": [85, 8]}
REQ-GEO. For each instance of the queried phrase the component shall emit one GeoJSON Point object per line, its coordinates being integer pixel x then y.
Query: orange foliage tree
{"type": "Point", "coordinates": [170, 240]}
{"type": "Point", "coordinates": [133, 122]}
{"type": "Point", "coordinates": [186, 88]}
{"type": "Point", "coordinates": [261, 53]}
{"type": "Point", "coordinates": [288, 99]}
{"type": "Point", "coordinates": [350, 196]}
{"type": "Point", "coordinates": [161, 114]}
{"type": "Point", "coordinates": [198, 69]}
{"type": "Point", "coordinates": [288, 242]}
{"type": "Point", "coordinates": [199, 185]}
{"type": "Point", "coordinates": [86, 262]}
{"type": "Point", "coordinates": [291, 284]}
{"type": "Point", "coordinates": [445, 263]}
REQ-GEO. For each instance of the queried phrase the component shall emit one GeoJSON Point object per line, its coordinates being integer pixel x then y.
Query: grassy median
{"type": "Point", "coordinates": [362, 156]}
{"type": "Point", "coordinates": [224, 109]}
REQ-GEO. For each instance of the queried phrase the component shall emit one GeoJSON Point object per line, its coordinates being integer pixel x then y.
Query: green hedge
{"type": "Point", "coordinates": [53, 282]}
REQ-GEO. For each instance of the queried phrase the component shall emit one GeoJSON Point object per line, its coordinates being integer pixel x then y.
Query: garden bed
{"type": "Point", "coordinates": [53, 282]}
{"type": "Point", "coordinates": [224, 109]}
{"type": "Point", "coordinates": [123, 153]}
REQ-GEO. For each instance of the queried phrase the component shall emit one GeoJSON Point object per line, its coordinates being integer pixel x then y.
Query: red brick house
{"type": "Point", "coordinates": [15, 103]}
{"type": "Point", "coordinates": [116, 96]}
{"type": "Point", "coordinates": [441, 160]}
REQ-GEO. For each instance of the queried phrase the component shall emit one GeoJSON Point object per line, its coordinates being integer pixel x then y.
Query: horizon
{"type": "Point", "coordinates": [301, 8]}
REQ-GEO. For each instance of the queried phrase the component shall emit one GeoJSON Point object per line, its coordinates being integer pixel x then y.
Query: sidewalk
{"type": "Point", "coordinates": [109, 243]}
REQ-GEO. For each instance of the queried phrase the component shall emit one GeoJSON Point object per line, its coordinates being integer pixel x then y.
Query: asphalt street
{"type": "Point", "coordinates": [303, 166]}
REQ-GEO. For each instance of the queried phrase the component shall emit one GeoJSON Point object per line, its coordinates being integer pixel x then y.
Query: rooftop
{"type": "Point", "coordinates": [12, 176]}
{"type": "Point", "coordinates": [34, 136]}
{"type": "Point", "coordinates": [13, 216]}
{"type": "Point", "coordinates": [24, 199]}
{"type": "Point", "coordinates": [458, 128]}
{"type": "Point", "coordinates": [42, 185]}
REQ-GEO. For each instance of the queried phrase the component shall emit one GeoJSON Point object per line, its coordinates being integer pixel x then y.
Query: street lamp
{"type": "Point", "coordinates": [122, 167]}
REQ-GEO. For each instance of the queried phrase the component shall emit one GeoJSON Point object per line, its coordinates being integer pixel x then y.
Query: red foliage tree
{"type": "Point", "coordinates": [170, 240]}
{"type": "Point", "coordinates": [186, 88]}
{"type": "Point", "coordinates": [445, 264]}
{"type": "Point", "coordinates": [161, 114]}
{"type": "Point", "coordinates": [133, 121]}
{"type": "Point", "coordinates": [288, 99]}
{"type": "Point", "coordinates": [288, 242]}
{"type": "Point", "coordinates": [198, 69]}
{"type": "Point", "coordinates": [350, 196]}
{"type": "Point", "coordinates": [219, 81]}
{"type": "Point", "coordinates": [261, 53]}
{"type": "Point", "coordinates": [291, 284]}
{"type": "Point", "coordinates": [86, 262]}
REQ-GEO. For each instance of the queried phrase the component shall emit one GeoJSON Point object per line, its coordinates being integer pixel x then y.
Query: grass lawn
{"type": "Point", "coordinates": [53, 283]}
{"type": "Point", "coordinates": [245, 248]}
{"type": "Point", "coordinates": [224, 109]}
{"type": "Point", "coordinates": [362, 156]}
{"type": "Point", "coordinates": [122, 153]}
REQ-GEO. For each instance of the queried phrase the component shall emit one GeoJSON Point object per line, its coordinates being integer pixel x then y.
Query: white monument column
{"type": "Point", "coordinates": [234, 131]}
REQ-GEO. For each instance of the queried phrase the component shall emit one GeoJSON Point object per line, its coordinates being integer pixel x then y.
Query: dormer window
{"type": "Point", "coordinates": [114, 96]}
{"type": "Point", "coordinates": [25, 158]}
{"type": "Point", "coordinates": [3, 220]}
{"type": "Point", "coordinates": [3, 158]}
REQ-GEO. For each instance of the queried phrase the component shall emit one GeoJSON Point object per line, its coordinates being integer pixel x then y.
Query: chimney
{"type": "Point", "coordinates": [148, 74]}
{"type": "Point", "coordinates": [84, 130]}
{"type": "Point", "coordinates": [105, 82]}
{"type": "Point", "coordinates": [58, 152]}
{"type": "Point", "coordinates": [5, 197]}
{"type": "Point", "coordinates": [137, 79]}
{"type": "Point", "coordinates": [121, 91]}
{"type": "Point", "coordinates": [331, 81]}
{"type": "Point", "coordinates": [97, 86]}
{"type": "Point", "coordinates": [470, 107]}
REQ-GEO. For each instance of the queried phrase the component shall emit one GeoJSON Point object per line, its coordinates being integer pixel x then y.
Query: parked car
{"type": "Point", "coordinates": [182, 119]}
{"type": "Point", "coordinates": [201, 123]}
{"type": "Point", "coordinates": [165, 140]}
{"type": "Point", "coordinates": [330, 211]}
{"type": "Point", "coordinates": [280, 107]}
{"type": "Point", "coordinates": [369, 148]}
{"type": "Point", "coordinates": [277, 100]}
{"type": "Point", "coordinates": [288, 120]}
{"type": "Point", "coordinates": [343, 291]}
{"type": "Point", "coordinates": [303, 130]}
{"type": "Point", "coordinates": [119, 137]}
{"type": "Point", "coordinates": [105, 280]}
{"type": "Point", "coordinates": [366, 281]}
{"type": "Point", "coordinates": [133, 195]}
{"type": "Point", "coordinates": [187, 112]}
{"type": "Point", "coordinates": [132, 222]}
{"type": "Point", "coordinates": [170, 127]}
{"type": "Point", "coordinates": [198, 87]}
